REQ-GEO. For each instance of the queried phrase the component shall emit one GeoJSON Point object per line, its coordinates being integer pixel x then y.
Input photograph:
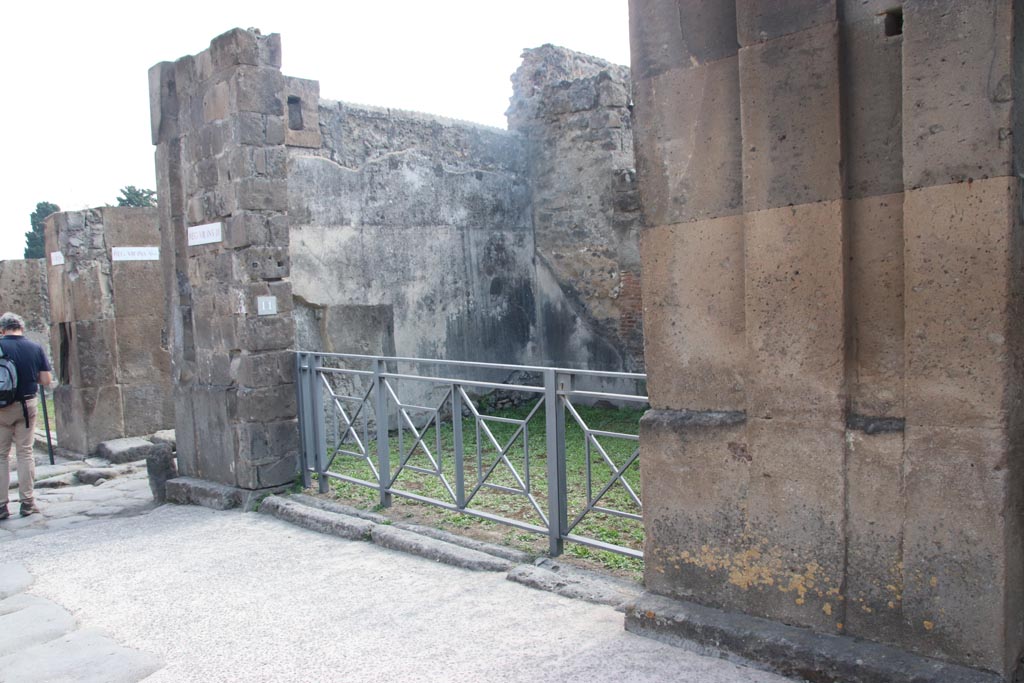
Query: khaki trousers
{"type": "Point", "coordinates": [12, 428]}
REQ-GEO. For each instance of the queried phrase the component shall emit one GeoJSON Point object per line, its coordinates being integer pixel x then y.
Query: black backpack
{"type": "Point", "coordinates": [8, 379]}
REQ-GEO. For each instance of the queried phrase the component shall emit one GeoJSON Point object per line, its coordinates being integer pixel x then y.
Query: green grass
{"type": "Point", "coordinates": [605, 527]}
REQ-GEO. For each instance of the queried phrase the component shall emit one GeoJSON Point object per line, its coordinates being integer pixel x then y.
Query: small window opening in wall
{"type": "Point", "coordinates": [894, 22]}
{"type": "Point", "coordinates": [294, 113]}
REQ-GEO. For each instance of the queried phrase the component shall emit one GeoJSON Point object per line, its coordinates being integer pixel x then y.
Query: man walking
{"type": "Point", "coordinates": [18, 419]}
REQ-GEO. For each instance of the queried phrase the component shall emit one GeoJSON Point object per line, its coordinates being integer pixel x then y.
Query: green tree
{"type": "Point", "coordinates": [34, 243]}
{"type": "Point", "coordinates": [134, 196]}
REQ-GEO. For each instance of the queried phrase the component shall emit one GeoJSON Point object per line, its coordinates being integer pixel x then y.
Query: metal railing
{"type": "Point", "coordinates": [470, 437]}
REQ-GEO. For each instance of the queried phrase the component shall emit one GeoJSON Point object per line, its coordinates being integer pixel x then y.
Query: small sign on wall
{"type": "Point", "coordinates": [266, 305]}
{"type": "Point", "coordinates": [56, 258]}
{"type": "Point", "coordinates": [135, 254]}
{"type": "Point", "coordinates": [208, 233]}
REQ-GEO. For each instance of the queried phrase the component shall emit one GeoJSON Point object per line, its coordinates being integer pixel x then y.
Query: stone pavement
{"type": "Point", "coordinates": [70, 493]}
{"type": "Point", "coordinates": [231, 596]}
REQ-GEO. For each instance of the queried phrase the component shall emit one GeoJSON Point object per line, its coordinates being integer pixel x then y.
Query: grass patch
{"type": "Point", "coordinates": [528, 456]}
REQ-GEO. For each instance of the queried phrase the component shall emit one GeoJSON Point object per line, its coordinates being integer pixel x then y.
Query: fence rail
{"type": "Point", "coordinates": [484, 439]}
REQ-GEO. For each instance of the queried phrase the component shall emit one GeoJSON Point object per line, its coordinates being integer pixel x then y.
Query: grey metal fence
{"type": "Point", "coordinates": [519, 445]}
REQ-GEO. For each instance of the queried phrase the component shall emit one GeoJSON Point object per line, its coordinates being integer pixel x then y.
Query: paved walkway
{"type": "Point", "coordinates": [190, 594]}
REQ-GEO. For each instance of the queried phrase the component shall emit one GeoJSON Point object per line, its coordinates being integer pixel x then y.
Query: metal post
{"type": "Point", "coordinates": [460, 473]}
{"type": "Point", "coordinates": [46, 421]}
{"type": "Point", "coordinates": [319, 426]}
{"type": "Point", "coordinates": [305, 435]}
{"type": "Point", "coordinates": [556, 465]}
{"type": "Point", "coordinates": [383, 450]}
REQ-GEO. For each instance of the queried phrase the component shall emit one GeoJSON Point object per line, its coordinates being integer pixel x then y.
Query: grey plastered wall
{"type": "Point", "coordinates": [108, 332]}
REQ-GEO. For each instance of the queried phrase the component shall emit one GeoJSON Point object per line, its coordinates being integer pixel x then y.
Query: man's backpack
{"type": "Point", "coordinates": [8, 379]}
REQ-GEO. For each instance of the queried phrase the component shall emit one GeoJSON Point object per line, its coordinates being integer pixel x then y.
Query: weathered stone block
{"type": "Point", "coordinates": [259, 194]}
{"type": "Point", "coordinates": [263, 404]}
{"type": "Point", "coordinates": [261, 263]}
{"type": "Point", "coordinates": [214, 437]}
{"type": "Point", "coordinates": [187, 490]}
{"type": "Point", "coordinates": [876, 300]}
{"type": "Point", "coordinates": [138, 291]}
{"type": "Point", "coordinates": [758, 21]}
{"type": "Point", "coordinates": [88, 284]}
{"type": "Point", "coordinates": [258, 89]}
{"type": "Point", "coordinates": [141, 356]}
{"type": "Point", "coordinates": [216, 102]}
{"type": "Point", "coordinates": [160, 467]}
{"type": "Point", "coordinates": [687, 127]}
{"type": "Point", "coordinates": [871, 78]}
{"type": "Point", "coordinates": [233, 48]}
{"type": "Point", "coordinates": [679, 34]}
{"type": "Point", "coordinates": [270, 50]}
{"type": "Point", "coordinates": [263, 369]}
{"type": "Point", "coordinates": [957, 91]}
{"type": "Point", "coordinates": [790, 119]}
{"type": "Point", "coordinates": [267, 443]}
{"type": "Point", "coordinates": [185, 430]}
{"type": "Point", "coordinates": [695, 343]}
{"type": "Point", "coordinates": [147, 407]}
{"type": "Point", "coordinates": [103, 418]}
{"type": "Point", "coordinates": [957, 601]}
{"type": "Point", "coordinates": [794, 311]}
{"type": "Point", "coordinates": [695, 475]}
{"type": "Point", "coordinates": [796, 513]}
{"type": "Point", "coordinates": [875, 518]}
{"type": "Point", "coordinates": [129, 449]}
{"type": "Point", "coordinates": [163, 106]}
{"type": "Point", "coordinates": [95, 359]}
{"type": "Point", "coordinates": [265, 333]}
{"type": "Point", "coordinates": [959, 260]}
{"type": "Point", "coordinates": [302, 112]}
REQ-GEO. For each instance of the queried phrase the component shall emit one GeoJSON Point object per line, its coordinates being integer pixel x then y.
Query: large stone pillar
{"type": "Point", "coordinates": [219, 125]}
{"type": "Point", "coordinates": [831, 265]}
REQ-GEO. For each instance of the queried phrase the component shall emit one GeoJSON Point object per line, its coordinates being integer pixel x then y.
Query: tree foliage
{"type": "Point", "coordinates": [135, 196]}
{"type": "Point", "coordinates": [34, 243]}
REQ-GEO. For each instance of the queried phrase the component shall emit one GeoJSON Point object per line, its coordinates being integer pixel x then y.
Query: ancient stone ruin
{"type": "Point", "coordinates": [832, 287]}
{"type": "Point", "coordinates": [106, 299]}
{"type": "Point", "coordinates": [292, 221]}
{"type": "Point", "coordinates": [23, 290]}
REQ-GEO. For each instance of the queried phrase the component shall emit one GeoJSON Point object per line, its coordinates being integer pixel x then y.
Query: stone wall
{"type": "Point", "coordinates": [832, 288]}
{"type": "Point", "coordinates": [23, 290]}
{"type": "Point", "coordinates": [108, 334]}
{"type": "Point", "coordinates": [573, 112]}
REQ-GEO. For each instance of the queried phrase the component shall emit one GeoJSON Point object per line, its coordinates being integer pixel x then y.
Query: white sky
{"type": "Point", "coordinates": [76, 121]}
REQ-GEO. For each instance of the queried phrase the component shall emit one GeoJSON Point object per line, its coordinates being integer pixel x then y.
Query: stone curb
{"type": "Point", "coordinates": [576, 583]}
{"type": "Point", "coordinates": [510, 554]}
{"type": "Point", "coordinates": [787, 650]}
{"type": "Point", "coordinates": [338, 523]}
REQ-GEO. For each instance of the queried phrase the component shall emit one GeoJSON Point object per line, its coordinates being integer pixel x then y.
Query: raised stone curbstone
{"type": "Point", "coordinates": [130, 449]}
{"type": "Point", "coordinates": [439, 551]}
{"type": "Point", "coordinates": [510, 554]}
{"type": "Point", "coordinates": [576, 583]}
{"type": "Point", "coordinates": [341, 509]}
{"type": "Point", "coordinates": [316, 519]}
{"type": "Point", "coordinates": [787, 650]}
{"type": "Point", "coordinates": [161, 467]}
{"type": "Point", "coordinates": [190, 491]}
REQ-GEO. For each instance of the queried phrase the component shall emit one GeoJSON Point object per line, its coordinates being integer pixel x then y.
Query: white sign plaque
{"type": "Point", "coordinates": [266, 305]}
{"type": "Point", "coordinates": [207, 233]}
{"type": "Point", "coordinates": [56, 258]}
{"type": "Point", "coordinates": [135, 254]}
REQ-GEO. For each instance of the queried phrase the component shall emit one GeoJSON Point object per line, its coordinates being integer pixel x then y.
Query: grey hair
{"type": "Point", "coordinates": [11, 321]}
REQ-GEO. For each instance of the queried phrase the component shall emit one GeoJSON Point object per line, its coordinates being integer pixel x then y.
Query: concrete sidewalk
{"type": "Point", "coordinates": [227, 596]}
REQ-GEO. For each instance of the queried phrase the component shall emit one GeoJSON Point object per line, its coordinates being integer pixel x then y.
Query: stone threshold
{"type": "Point", "coordinates": [790, 651]}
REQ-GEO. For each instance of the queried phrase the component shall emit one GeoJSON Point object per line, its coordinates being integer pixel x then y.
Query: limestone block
{"type": "Point", "coordinates": [875, 518]}
{"type": "Point", "coordinates": [141, 356]}
{"type": "Point", "coordinates": [246, 228]}
{"type": "Point", "coordinates": [790, 119]}
{"type": "Point", "coordinates": [262, 194]}
{"type": "Point", "coordinates": [129, 449]}
{"type": "Point", "coordinates": [214, 437]}
{"type": "Point", "coordinates": [687, 128]}
{"type": "Point", "coordinates": [88, 284]}
{"type": "Point", "coordinates": [213, 366]}
{"type": "Point", "coordinates": [959, 256]}
{"type": "Point", "coordinates": [185, 431]}
{"type": "Point", "coordinates": [279, 473]}
{"type": "Point", "coordinates": [695, 343]}
{"type": "Point", "coordinates": [265, 333]}
{"type": "Point", "coordinates": [668, 35]}
{"type": "Point", "coordinates": [267, 443]}
{"type": "Point", "coordinates": [263, 404]}
{"type": "Point", "coordinates": [957, 91]}
{"type": "Point", "coordinates": [138, 290]}
{"type": "Point", "coordinates": [216, 102]}
{"type": "Point", "coordinates": [962, 537]}
{"type": "Point", "coordinates": [233, 48]}
{"type": "Point", "coordinates": [758, 21]}
{"type": "Point", "coordinates": [130, 226]}
{"type": "Point", "coordinates": [875, 228]}
{"type": "Point", "coordinates": [872, 80]}
{"type": "Point", "coordinates": [102, 414]}
{"type": "Point", "coordinates": [70, 423]}
{"type": "Point", "coordinates": [148, 408]}
{"type": "Point", "coordinates": [256, 370]}
{"type": "Point", "coordinates": [695, 475]}
{"type": "Point", "coordinates": [95, 357]}
{"type": "Point", "coordinates": [258, 89]}
{"type": "Point", "coordinates": [163, 102]}
{"type": "Point", "coordinates": [270, 50]}
{"type": "Point", "coordinates": [302, 112]}
{"type": "Point", "coordinates": [796, 510]}
{"type": "Point", "coordinates": [794, 311]}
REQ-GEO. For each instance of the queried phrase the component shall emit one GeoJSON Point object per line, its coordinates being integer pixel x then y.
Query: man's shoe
{"type": "Point", "coordinates": [28, 508]}
{"type": "Point", "coordinates": [4, 514]}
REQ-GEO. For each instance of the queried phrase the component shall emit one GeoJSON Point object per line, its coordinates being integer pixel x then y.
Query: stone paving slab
{"type": "Point", "coordinates": [32, 622]}
{"type": "Point", "coordinates": [78, 657]}
{"type": "Point", "coordinates": [14, 578]}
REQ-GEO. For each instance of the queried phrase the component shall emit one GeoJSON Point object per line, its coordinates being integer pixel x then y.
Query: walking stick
{"type": "Point", "coordinates": [46, 421]}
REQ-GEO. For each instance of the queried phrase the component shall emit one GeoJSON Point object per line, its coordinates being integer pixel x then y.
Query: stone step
{"type": "Point", "coordinates": [85, 656]}
{"type": "Point", "coordinates": [383, 534]}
